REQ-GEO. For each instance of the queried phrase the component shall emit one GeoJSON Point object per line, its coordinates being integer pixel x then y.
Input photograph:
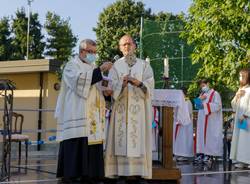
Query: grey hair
{"type": "Point", "coordinates": [85, 42]}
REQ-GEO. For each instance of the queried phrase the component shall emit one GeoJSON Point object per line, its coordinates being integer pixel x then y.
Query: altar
{"type": "Point", "coordinates": [167, 100]}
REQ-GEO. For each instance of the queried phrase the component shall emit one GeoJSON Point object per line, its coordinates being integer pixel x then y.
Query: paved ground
{"type": "Point", "coordinates": [41, 169]}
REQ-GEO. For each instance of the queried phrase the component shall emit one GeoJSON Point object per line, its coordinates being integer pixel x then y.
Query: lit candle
{"type": "Point", "coordinates": [166, 67]}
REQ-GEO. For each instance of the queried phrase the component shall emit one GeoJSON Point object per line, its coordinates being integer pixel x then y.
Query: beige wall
{"type": "Point", "coordinates": [26, 96]}
{"type": "Point", "coordinates": [50, 103]}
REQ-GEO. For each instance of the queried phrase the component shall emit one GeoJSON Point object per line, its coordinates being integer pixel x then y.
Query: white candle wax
{"type": "Point", "coordinates": [166, 68]}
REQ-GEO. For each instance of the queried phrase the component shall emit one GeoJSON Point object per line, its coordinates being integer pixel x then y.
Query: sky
{"type": "Point", "coordinates": [84, 14]}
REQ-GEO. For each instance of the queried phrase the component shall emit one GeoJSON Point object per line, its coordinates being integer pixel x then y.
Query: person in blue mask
{"type": "Point", "coordinates": [209, 142]}
{"type": "Point", "coordinates": [80, 114]}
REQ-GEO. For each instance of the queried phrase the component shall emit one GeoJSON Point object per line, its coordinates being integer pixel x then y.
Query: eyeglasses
{"type": "Point", "coordinates": [126, 44]}
{"type": "Point", "coordinates": [89, 51]}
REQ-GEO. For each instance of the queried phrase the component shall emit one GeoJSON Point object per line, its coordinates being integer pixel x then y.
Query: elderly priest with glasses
{"type": "Point", "coordinates": [80, 114]}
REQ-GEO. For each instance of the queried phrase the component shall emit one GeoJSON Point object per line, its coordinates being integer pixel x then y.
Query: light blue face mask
{"type": "Point", "coordinates": [205, 89]}
{"type": "Point", "coordinates": [90, 58]}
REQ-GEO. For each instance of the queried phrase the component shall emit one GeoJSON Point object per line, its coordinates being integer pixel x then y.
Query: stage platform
{"type": "Point", "coordinates": [42, 165]}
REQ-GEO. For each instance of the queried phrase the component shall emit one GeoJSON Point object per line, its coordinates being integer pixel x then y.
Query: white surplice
{"type": "Point", "coordinates": [209, 139]}
{"type": "Point", "coordinates": [80, 109]}
{"type": "Point", "coordinates": [240, 149]}
{"type": "Point", "coordinates": [183, 134]}
{"type": "Point", "coordinates": [129, 143]}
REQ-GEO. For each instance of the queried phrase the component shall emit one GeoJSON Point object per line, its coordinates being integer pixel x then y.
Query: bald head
{"type": "Point", "coordinates": [126, 38]}
{"type": "Point", "coordinates": [127, 45]}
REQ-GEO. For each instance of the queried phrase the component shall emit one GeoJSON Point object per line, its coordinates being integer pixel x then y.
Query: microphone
{"type": "Point", "coordinates": [105, 80]}
{"type": "Point", "coordinates": [117, 57]}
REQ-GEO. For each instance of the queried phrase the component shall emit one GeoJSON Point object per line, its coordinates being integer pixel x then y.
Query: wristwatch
{"type": "Point", "coordinates": [141, 85]}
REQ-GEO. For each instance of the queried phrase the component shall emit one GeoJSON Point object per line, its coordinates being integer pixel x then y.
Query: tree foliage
{"type": "Point", "coordinates": [19, 42]}
{"type": "Point", "coordinates": [13, 37]}
{"type": "Point", "coordinates": [61, 40]}
{"type": "Point", "coordinates": [5, 39]}
{"type": "Point", "coordinates": [121, 17]}
{"type": "Point", "coordinates": [219, 31]}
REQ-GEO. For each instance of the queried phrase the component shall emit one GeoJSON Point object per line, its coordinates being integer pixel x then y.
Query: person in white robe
{"type": "Point", "coordinates": [80, 114]}
{"type": "Point", "coordinates": [209, 139]}
{"type": "Point", "coordinates": [183, 134]}
{"type": "Point", "coordinates": [240, 147]}
{"type": "Point", "coordinates": [129, 143]}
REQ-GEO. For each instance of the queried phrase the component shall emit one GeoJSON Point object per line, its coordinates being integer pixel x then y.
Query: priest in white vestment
{"type": "Point", "coordinates": [183, 134]}
{"type": "Point", "coordinates": [129, 143]}
{"type": "Point", "coordinates": [240, 147]}
{"type": "Point", "coordinates": [80, 114]}
{"type": "Point", "coordinates": [209, 124]}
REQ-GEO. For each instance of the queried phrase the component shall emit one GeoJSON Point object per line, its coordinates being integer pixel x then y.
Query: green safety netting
{"type": "Point", "coordinates": [160, 39]}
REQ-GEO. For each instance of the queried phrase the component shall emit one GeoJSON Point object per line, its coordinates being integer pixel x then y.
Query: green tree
{"type": "Point", "coordinates": [37, 45]}
{"type": "Point", "coordinates": [219, 31]}
{"type": "Point", "coordinates": [19, 42]}
{"type": "Point", "coordinates": [61, 40]}
{"type": "Point", "coordinates": [121, 17]}
{"type": "Point", "coordinates": [5, 40]}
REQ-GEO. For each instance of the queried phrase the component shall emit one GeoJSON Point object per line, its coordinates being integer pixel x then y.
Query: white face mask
{"type": "Point", "coordinates": [205, 89]}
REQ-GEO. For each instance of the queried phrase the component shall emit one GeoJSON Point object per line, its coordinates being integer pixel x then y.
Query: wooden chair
{"type": "Point", "coordinates": [17, 136]}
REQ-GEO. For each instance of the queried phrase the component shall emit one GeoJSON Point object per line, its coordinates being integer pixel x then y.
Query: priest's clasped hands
{"type": "Point", "coordinates": [128, 79]}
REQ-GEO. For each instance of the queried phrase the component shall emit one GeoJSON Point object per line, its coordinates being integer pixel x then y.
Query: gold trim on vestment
{"type": "Point", "coordinates": [95, 142]}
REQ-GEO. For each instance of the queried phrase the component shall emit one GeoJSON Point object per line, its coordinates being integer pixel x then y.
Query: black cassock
{"type": "Point", "coordinates": [78, 159]}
